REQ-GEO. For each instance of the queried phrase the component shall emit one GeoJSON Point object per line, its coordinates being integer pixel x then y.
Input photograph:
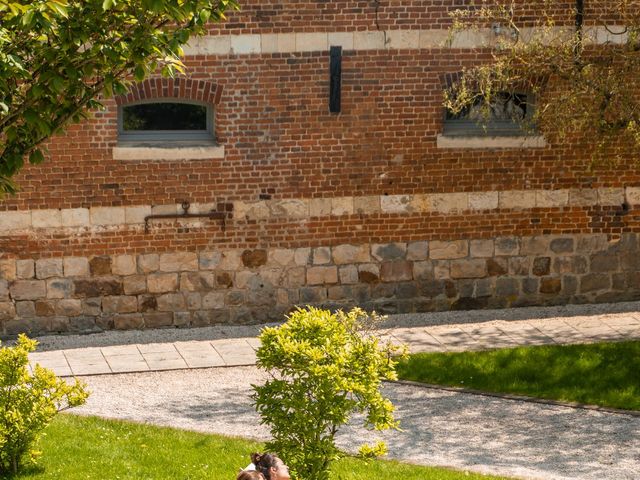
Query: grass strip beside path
{"type": "Point", "coordinates": [81, 448]}
{"type": "Point", "coordinates": [604, 374]}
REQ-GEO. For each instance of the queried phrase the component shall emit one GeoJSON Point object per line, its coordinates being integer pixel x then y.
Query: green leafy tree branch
{"type": "Point", "coordinates": [58, 57]}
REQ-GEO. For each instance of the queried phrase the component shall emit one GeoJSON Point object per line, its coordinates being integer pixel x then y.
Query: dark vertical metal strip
{"type": "Point", "coordinates": [335, 79]}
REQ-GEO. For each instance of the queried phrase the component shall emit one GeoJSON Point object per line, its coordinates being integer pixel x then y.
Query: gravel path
{"type": "Point", "coordinates": [460, 430]}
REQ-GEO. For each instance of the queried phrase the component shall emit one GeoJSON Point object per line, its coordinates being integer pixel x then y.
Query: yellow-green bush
{"type": "Point", "coordinates": [324, 368]}
{"type": "Point", "coordinates": [28, 403]}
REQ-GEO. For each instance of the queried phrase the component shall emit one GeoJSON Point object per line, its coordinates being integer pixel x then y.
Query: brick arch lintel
{"type": "Point", "coordinates": [181, 87]}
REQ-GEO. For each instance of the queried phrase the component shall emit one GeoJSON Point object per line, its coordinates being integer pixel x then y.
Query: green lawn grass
{"type": "Point", "coordinates": [76, 447]}
{"type": "Point", "coordinates": [605, 374]}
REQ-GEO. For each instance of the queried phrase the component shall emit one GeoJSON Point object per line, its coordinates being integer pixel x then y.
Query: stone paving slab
{"type": "Point", "coordinates": [144, 357]}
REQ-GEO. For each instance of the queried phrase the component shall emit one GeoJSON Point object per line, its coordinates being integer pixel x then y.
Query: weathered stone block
{"type": "Point", "coordinates": [148, 263]}
{"type": "Point", "coordinates": [313, 294]}
{"type": "Point", "coordinates": [484, 287]}
{"type": "Point", "coordinates": [27, 289]}
{"type": "Point", "coordinates": [369, 273]}
{"type": "Point", "coordinates": [130, 321]}
{"type": "Point", "coordinates": [8, 269]}
{"type": "Point", "coordinates": [196, 281]}
{"type": "Point", "coordinates": [60, 288]}
{"type": "Point", "coordinates": [213, 300]}
{"type": "Point", "coordinates": [367, 205]}
{"type": "Point", "coordinates": [441, 270]}
{"type": "Point", "coordinates": [594, 281]}
{"type": "Point", "coordinates": [7, 311]}
{"type": "Point", "coordinates": [134, 284]}
{"type": "Point", "coordinates": [124, 265]}
{"type": "Point", "coordinates": [321, 255]}
{"type": "Point", "coordinates": [569, 284]}
{"type": "Point", "coordinates": [530, 285]}
{"type": "Point", "coordinates": [162, 282]}
{"type": "Point", "coordinates": [282, 257]}
{"type": "Point", "coordinates": [395, 203]}
{"type": "Point", "coordinates": [120, 304]}
{"type": "Point", "coordinates": [406, 290]}
{"type": "Point", "coordinates": [302, 256]}
{"type": "Point", "coordinates": [75, 217]}
{"type": "Point", "coordinates": [158, 319]}
{"type": "Point", "coordinates": [45, 308]}
{"type": "Point", "coordinates": [171, 302]}
{"type": "Point", "coordinates": [179, 262]}
{"type": "Point", "coordinates": [397, 271]}
{"type": "Point", "coordinates": [342, 206]}
{"type": "Point", "coordinates": [418, 250]}
{"type": "Point", "coordinates": [322, 275]}
{"type": "Point", "coordinates": [296, 277]}
{"type": "Point", "coordinates": [507, 287]}
{"type": "Point", "coordinates": [182, 319]}
{"type": "Point", "coordinates": [604, 262]}
{"type": "Point", "coordinates": [254, 258]}
{"type": "Point", "coordinates": [562, 245]}
{"type": "Point", "coordinates": [507, 246]}
{"type": "Point", "coordinates": [348, 254]}
{"type": "Point", "coordinates": [92, 306]}
{"type": "Point", "coordinates": [320, 207]}
{"type": "Point", "coordinates": [388, 252]}
{"type": "Point", "coordinates": [423, 270]}
{"type": "Point", "coordinates": [592, 243]}
{"type": "Point", "coordinates": [439, 250]}
{"type": "Point", "coordinates": [69, 307]}
{"type": "Point", "coordinates": [25, 269]}
{"type": "Point", "coordinates": [383, 290]}
{"type": "Point", "coordinates": [348, 274]}
{"type": "Point", "coordinates": [235, 298]}
{"type": "Point", "coordinates": [550, 285]}
{"type": "Point", "coordinates": [98, 287]}
{"type": "Point", "coordinates": [224, 280]}
{"type": "Point", "coordinates": [48, 267]}
{"type": "Point", "coordinates": [147, 303]}
{"type": "Point", "coordinates": [541, 266]}
{"type": "Point", "coordinates": [83, 324]}
{"type": "Point", "coordinates": [497, 266]}
{"type": "Point", "coordinates": [76, 267]}
{"type": "Point", "coordinates": [474, 268]}
{"type": "Point", "coordinates": [231, 260]}
{"type": "Point", "coordinates": [483, 200]}
{"type": "Point", "coordinates": [100, 266]}
{"type": "Point", "coordinates": [4, 290]}
{"type": "Point", "coordinates": [274, 276]}
{"type": "Point", "coordinates": [26, 309]}
{"type": "Point", "coordinates": [209, 260]}
{"type": "Point", "coordinates": [534, 245]}
{"type": "Point", "coordinates": [481, 248]}
{"type": "Point", "coordinates": [193, 300]}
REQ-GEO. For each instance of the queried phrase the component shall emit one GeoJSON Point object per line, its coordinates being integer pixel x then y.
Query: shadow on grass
{"type": "Point", "coordinates": [602, 374]}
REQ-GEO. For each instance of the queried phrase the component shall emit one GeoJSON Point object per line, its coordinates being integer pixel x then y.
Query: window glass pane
{"type": "Point", "coordinates": [164, 116]}
{"type": "Point", "coordinates": [505, 107]}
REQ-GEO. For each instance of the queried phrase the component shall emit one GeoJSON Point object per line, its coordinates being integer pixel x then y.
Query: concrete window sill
{"type": "Point", "coordinates": [168, 152]}
{"type": "Point", "coordinates": [444, 141]}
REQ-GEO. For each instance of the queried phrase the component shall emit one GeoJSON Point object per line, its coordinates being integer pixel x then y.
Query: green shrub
{"type": "Point", "coordinates": [324, 368]}
{"type": "Point", "coordinates": [28, 403]}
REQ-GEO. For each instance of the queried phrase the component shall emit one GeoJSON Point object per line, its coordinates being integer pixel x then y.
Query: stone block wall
{"type": "Point", "coordinates": [236, 286]}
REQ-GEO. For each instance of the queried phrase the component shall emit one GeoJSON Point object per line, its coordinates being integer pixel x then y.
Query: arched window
{"type": "Point", "coordinates": [160, 120]}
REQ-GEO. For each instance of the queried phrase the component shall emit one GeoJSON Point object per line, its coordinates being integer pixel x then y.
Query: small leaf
{"type": "Point", "coordinates": [36, 157]}
{"type": "Point", "coordinates": [107, 4]}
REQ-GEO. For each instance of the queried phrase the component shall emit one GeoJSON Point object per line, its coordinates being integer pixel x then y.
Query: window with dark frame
{"type": "Point", "coordinates": [505, 117]}
{"type": "Point", "coordinates": [166, 120]}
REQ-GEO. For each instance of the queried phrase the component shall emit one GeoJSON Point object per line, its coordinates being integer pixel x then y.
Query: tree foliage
{"type": "Point", "coordinates": [28, 403]}
{"type": "Point", "coordinates": [58, 56]}
{"type": "Point", "coordinates": [324, 368]}
{"type": "Point", "coordinates": [580, 61]}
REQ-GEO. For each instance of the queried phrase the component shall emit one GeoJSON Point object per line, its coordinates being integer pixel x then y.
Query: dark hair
{"type": "Point", "coordinates": [250, 475]}
{"type": "Point", "coordinates": [264, 461]}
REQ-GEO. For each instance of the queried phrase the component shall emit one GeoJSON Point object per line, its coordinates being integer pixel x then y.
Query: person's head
{"type": "Point", "coordinates": [250, 475]}
{"type": "Point", "coordinates": [270, 466]}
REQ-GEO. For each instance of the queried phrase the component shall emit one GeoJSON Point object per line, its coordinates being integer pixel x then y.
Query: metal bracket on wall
{"type": "Point", "coordinates": [335, 79]}
{"type": "Point", "coordinates": [185, 214]}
